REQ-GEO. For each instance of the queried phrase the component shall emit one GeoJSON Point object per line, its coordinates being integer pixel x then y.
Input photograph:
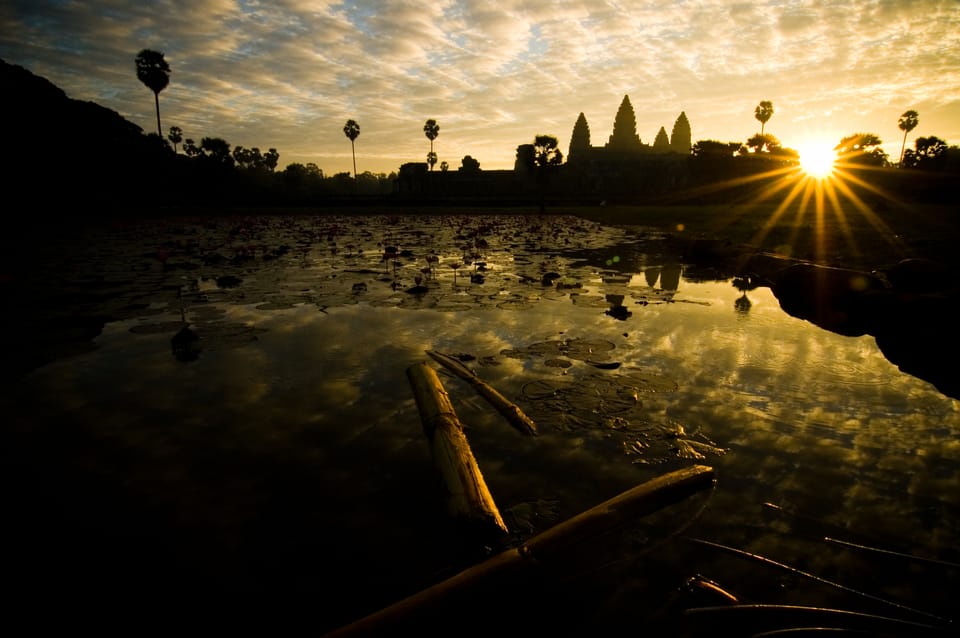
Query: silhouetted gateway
{"type": "Point", "coordinates": [624, 168]}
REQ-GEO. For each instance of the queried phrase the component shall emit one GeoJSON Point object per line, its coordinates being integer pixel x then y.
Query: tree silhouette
{"type": "Point", "coordinates": [154, 72]}
{"type": "Point", "coordinates": [175, 136]}
{"type": "Point", "coordinates": [431, 129]}
{"type": "Point", "coordinates": [217, 150]}
{"type": "Point", "coordinates": [270, 159]}
{"type": "Point", "coordinates": [352, 130]}
{"type": "Point", "coordinates": [908, 122]}
{"type": "Point", "coordinates": [546, 152]}
{"type": "Point", "coordinates": [546, 157]}
{"type": "Point", "coordinates": [444, 166]}
{"type": "Point", "coordinates": [861, 148]}
{"type": "Point", "coordinates": [469, 165]}
{"type": "Point", "coordinates": [714, 149]}
{"type": "Point", "coordinates": [930, 154]}
{"type": "Point", "coordinates": [763, 113]}
{"type": "Point", "coordinates": [762, 143]}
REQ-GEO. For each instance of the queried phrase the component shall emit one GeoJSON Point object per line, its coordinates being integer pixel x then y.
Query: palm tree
{"type": "Point", "coordinates": [908, 122]}
{"type": "Point", "coordinates": [175, 136]}
{"type": "Point", "coordinates": [763, 112]}
{"type": "Point", "coordinates": [431, 129]}
{"type": "Point", "coordinates": [153, 71]}
{"type": "Point", "coordinates": [352, 130]}
{"type": "Point", "coordinates": [431, 159]}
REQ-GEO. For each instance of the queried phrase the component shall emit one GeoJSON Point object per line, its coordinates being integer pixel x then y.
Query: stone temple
{"type": "Point", "coordinates": [624, 143]}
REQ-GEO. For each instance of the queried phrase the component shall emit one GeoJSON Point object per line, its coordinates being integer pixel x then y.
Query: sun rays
{"type": "Point", "coordinates": [823, 208]}
{"type": "Point", "coordinates": [817, 159]}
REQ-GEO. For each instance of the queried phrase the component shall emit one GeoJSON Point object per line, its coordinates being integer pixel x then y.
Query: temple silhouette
{"type": "Point", "coordinates": [624, 143]}
{"type": "Point", "coordinates": [623, 167]}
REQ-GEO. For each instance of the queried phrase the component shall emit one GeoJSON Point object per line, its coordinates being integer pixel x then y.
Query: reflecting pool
{"type": "Point", "coordinates": [215, 414]}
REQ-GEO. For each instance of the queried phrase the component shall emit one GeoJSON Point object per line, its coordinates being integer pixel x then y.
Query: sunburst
{"type": "Point", "coordinates": [817, 159]}
{"type": "Point", "coordinates": [823, 207]}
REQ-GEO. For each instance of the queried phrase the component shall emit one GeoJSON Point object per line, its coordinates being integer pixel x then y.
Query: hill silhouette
{"type": "Point", "coordinates": [70, 151]}
{"type": "Point", "coordinates": [40, 108]}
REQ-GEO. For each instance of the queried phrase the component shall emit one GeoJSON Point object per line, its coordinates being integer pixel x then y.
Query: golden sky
{"type": "Point", "coordinates": [288, 74]}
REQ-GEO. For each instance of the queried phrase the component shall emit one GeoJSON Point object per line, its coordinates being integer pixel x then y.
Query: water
{"type": "Point", "coordinates": [273, 458]}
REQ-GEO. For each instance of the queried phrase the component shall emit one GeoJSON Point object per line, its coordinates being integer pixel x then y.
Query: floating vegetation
{"type": "Point", "coordinates": [668, 442]}
{"type": "Point", "coordinates": [593, 401]}
{"type": "Point", "coordinates": [609, 404]}
{"type": "Point", "coordinates": [579, 349]}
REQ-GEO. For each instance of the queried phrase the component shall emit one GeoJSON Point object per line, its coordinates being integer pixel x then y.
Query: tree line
{"type": "Point", "coordinates": [257, 170]}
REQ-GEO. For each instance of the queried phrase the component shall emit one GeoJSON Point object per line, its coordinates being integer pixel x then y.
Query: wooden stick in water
{"type": "Point", "coordinates": [469, 500]}
{"type": "Point", "coordinates": [520, 421]}
{"type": "Point", "coordinates": [501, 574]}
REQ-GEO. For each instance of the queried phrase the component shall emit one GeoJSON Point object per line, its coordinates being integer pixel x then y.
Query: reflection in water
{"type": "Point", "coordinates": [290, 446]}
{"type": "Point", "coordinates": [617, 310]}
{"type": "Point", "coordinates": [184, 345]}
{"type": "Point", "coordinates": [744, 284]}
{"type": "Point", "coordinates": [742, 303]}
{"type": "Point", "coordinates": [652, 274]}
{"type": "Point", "coordinates": [670, 276]}
{"type": "Point", "coordinates": [912, 317]}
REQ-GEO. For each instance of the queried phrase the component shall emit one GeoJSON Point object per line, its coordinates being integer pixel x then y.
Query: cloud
{"type": "Point", "coordinates": [288, 74]}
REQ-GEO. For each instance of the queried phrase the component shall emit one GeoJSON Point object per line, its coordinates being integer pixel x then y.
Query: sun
{"type": "Point", "coordinates": [817, 159]}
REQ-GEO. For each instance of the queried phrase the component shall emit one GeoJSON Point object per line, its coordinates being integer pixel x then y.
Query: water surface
{"type": "Point", "coordinates": [239, 426]}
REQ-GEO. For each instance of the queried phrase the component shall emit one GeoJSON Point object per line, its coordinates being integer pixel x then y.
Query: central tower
{"type": "Point", "coordinates": [624, 136]}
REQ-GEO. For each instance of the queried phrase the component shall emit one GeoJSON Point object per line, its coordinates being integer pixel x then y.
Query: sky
{"type": "Point", "coordinates": [288, 74]}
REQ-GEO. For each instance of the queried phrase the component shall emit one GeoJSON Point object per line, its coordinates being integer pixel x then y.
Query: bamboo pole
{"type": "Point", "coordinates": [469, 501]}
{"type": "Point", "coordinates": [509, 410]}
{"type": "Point", "coordinates": [503, 572]}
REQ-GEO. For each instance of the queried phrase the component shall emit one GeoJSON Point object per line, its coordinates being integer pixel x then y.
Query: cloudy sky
{"type": "Point", "coordinates": [288, 74]}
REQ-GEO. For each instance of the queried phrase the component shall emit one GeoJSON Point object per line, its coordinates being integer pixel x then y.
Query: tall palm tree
{"type": "Point", "coordinates": [175, 136]}
{"type": "Point", "coordinates": [153, 71]}
{"type": "Point", "coordinates": [908, 122]}
{"type": "Point", "coordinates": [352, 130]}
{"type": "Point", "coordinates": [431, 129]}
{"type": "Point", "coordinates": [763, 112]}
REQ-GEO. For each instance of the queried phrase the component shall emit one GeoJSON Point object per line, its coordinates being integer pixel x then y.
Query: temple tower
{"type": "Point", "coordinates": [624, 137]}
{"type": "Point", "coordinates": [680, 139]}
{"type": "Point", "coordinates": [579, 141]}
{"type": "Point", "coordinates": [661, 144]}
